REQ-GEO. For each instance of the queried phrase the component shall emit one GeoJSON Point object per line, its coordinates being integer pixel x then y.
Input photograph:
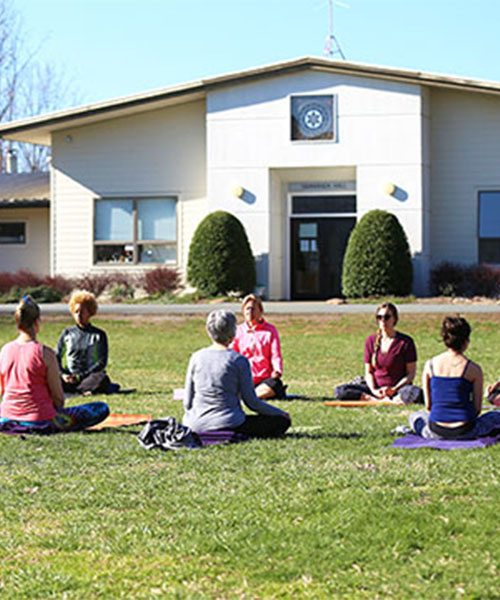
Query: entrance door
{"type": "Point", "coordinates": [318, 246]}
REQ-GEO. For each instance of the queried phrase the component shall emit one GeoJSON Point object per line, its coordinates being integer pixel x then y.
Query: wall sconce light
{"type": "Point", "coordinates": [389, 188]}
{"type": "Point", "coordinates": [238, 191]}
{"type": "Point", "coordinates": [68, 139]}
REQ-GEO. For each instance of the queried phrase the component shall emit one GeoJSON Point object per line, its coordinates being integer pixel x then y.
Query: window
{"type": "Point", "coordinates": [135, 230]}
{"type": "Point", "coordinates": [489, 227]}
{"type": "Point", "coordinates": [312, 118]}
{"type": "Point", "coordinates": [330, 204]}
{"type": "Point", "coordinates": [12, 232]}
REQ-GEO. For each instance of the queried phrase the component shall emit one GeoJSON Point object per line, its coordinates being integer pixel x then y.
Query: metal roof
{"type": "Point", "coordinates": [24, 190]}
{"type": "Point", "coordinates": [38, 129]}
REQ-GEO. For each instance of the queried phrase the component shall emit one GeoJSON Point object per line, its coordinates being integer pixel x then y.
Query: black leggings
{"type": "Point", "coordinates": [451, 433]}
{"type": "Point", "coordinates": [95, 383]}
{"type": "Point", "coordinates": [353, 391]}
{"type": "Point", "coordinates": [264, 426]}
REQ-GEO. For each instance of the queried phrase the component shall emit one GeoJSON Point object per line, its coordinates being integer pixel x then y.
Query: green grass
{"type": "Point", "coordinates": [330, 511]}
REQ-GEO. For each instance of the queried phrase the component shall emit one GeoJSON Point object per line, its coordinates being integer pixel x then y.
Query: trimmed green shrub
{"type": "Point", "coordinates": [220, 257]}
{"type": "Point", "coordinates": [377, 260]}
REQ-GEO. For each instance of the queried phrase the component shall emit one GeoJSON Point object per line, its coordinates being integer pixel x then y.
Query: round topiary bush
{"type": "Point", "coordinates": [220, 257]}
{"type": "Point", "coordinates": [377, 260]}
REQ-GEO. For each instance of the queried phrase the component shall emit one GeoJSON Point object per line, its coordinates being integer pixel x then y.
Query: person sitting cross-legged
{"type": "Point", "coordinates": [82, 350]}
{"type": "Point", "coordinates": [259, 341]}
{"type": "Point", "coordinates": [217, 379]}
{"type": "Point", "coordinates": [32, 394]}
{"type": "Point", "coordinates": [453, 391]}
{"type": "Point", "coordinates": [390, 364]}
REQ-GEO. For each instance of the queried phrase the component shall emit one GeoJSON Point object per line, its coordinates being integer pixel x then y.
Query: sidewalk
{"type": "Point", "coordinates": [292, 308]}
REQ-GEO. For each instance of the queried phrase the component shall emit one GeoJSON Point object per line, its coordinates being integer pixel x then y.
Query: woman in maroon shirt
{"type": "Point", "coordinates": [390, 364]}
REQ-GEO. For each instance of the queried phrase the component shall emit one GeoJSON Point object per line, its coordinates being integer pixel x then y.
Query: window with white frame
{"type": "Point", "coordinates": [135, 230]}
{"type": "Point", "coordinates": [489, 226]}
{"type": "Point", "coordinates": [12, 232]}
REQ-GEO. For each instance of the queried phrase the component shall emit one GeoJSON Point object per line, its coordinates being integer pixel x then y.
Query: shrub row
{"type": "Point", "coordinates": [156, 282]}
{"type": "Point", "coordinates": [451, 279]}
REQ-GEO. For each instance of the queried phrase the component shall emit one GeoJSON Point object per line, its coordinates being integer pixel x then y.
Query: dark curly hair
{"type": "Point", "coordinates": [455, 332]}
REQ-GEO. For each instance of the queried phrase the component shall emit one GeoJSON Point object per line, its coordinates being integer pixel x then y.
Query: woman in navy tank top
{"type": "Point", "coordinates": [453, 390]}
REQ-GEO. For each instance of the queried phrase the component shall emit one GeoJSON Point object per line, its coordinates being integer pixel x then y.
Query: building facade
{"type": "Point", "coordinates": [298, 151]}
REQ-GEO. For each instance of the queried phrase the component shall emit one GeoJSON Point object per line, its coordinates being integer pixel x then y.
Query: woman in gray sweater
{"type": "Point", "coordinates": [217, 378]}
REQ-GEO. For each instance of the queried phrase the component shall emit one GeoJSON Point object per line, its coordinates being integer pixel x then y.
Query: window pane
{"type": "Point", "coordinates": [157, 253]}
{"type": "Point", "coordinates": [323, 204]}
{"type": "Point", "coordinates": [114, 220]}
{"type": "Point", "coordinates": [308, 230]}
{"type": "Point", "coordinates": [156, 219]}
{"type": "Point", "coordinates": [489, 214]}
{"type": "Point", "coordinates": [12, 233]}
{"type": "Point", "coordinates": [489, 250]}
{"type": "Point", "coordinates": [114, 253]}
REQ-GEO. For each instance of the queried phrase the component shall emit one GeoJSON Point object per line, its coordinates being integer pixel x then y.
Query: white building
{"type": "Point", "coordinates": [297, 150]}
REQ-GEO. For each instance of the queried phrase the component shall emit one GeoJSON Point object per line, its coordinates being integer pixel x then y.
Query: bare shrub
{"type": "Point", "coordinates": [162, 280]}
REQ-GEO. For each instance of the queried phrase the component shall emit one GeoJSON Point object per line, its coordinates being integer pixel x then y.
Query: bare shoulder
{"type": "Point", "coordinates": [48, 354]}
{"type": "Point", "coordinates": [436, 361]}
{"type": "Point", "coordinates": [474, 370]}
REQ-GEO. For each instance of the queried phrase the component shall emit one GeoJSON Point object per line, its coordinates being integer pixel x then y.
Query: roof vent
{"type": "Point", "coordinates": [11, 161]}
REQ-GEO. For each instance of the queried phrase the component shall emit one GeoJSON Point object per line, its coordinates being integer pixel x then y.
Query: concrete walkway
{"type": "Point", "coordinates": [293, 308]}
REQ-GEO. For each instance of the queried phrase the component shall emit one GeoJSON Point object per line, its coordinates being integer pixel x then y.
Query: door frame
{"type": "Point", "coordinates": [290, 216]}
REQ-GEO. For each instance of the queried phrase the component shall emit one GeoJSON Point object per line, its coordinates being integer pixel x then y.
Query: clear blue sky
{"type": "Point", "coordinates": [113, 48]}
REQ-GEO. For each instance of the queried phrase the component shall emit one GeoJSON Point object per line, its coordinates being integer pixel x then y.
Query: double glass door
{"type": "Point", "coordinates": [318, 245]}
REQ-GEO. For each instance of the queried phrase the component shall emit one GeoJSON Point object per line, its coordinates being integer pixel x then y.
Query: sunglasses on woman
{"type": "Point", "coordinates": [384, 317]}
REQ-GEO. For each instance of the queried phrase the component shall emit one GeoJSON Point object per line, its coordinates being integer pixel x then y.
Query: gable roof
{"type": "Point", "coordinates": [24, 190]}
{"type": "Point", "coordinates": [38, 129]}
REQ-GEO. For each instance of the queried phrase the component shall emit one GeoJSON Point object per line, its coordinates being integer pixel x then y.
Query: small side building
{"type": "Point", "coordinates": [25, 222]}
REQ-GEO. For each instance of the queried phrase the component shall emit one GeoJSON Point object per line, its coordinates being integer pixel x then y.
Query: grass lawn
{"type": "Point", "coordinates": [330, 511]}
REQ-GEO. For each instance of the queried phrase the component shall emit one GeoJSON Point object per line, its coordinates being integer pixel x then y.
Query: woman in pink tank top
{"type": "Point", "coordinates": [32, 394]}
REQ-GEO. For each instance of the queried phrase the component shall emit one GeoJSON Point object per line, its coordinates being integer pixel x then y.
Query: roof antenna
{"type": "Point", "coordinates": [332, 47]}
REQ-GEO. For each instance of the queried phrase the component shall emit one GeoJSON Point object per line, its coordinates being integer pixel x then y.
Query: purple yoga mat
{"type": "Point", "coordinates": [209, 438]}
{"type": "Point", "coordinates": [410, 441]}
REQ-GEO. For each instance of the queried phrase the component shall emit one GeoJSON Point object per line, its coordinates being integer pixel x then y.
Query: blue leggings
{"type": "Point", "coordinates": [73, 418]}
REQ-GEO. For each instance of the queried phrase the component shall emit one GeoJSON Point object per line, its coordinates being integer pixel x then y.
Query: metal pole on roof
{"type": "Point", "coordinates": [332, 47]}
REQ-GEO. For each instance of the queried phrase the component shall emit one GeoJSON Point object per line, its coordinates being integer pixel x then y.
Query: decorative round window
{"type": "Point", "coordinates": [312, 118]}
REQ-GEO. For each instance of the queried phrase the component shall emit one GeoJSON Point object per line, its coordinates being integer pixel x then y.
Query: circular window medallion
{"type": "Point", "coordinates": [314, 119]}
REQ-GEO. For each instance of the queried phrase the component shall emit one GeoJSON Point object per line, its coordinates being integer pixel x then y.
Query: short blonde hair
{"type": "Point", "coordinates": [85, 298]}
{"type": "Point", "coordinates": [253, 297]}
{"type": "Point", "coordinates": [27, 312]}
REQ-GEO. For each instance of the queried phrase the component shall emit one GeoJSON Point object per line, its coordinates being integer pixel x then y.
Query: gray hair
{"type": "Point", "coordinates": [221, 326]}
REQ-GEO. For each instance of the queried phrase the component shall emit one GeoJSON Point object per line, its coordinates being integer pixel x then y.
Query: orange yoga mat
{"type": "Point", "coordinates": [361, 403]}
{"type": "Point", "coordinates": [119, 419]}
